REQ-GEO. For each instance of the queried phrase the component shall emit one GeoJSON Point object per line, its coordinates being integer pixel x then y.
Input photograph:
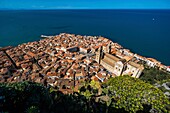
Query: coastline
{"type": "Point", "coordinates": [150, 60]}
{"type": "Point", "coordinates": [68, 59]}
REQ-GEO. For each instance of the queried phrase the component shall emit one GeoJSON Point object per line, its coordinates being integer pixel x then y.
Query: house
{"type": "Point", "coordinates": [152, 62]}
{"type": "Point", "coordinates": [84, 50]}
{"type": "Point", "coordinates": [100, 77]}
{"type": "Point", "coordinates": [168, 68]}
{"type": "Point", "coordinates": [31, 54]}
{"type": "Point", "coordinates": [3, 71]}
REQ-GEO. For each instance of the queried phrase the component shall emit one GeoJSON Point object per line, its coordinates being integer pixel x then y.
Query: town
{"type": "Point", "coordinates": [66, 60]}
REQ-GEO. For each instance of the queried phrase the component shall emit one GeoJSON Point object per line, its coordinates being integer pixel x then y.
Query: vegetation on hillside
{"type": "Point", "coordinates": [154, 75]}
{"type": "Point", "coordinates": [120, 94]}
{"type": "Point", "coordinates": [24, 97]}
{"type": "Point", "coordinates": [135, 95]}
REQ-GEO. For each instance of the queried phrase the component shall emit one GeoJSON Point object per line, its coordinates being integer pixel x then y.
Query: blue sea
{"type": "Point", "coordinates": [145, 32]}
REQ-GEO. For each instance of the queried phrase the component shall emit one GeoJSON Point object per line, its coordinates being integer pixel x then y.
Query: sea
{"type": "Point", "coordinates": [145, 32]}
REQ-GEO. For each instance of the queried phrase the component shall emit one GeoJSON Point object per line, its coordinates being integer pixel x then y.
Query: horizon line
{"type": "Point", "coordinates": [87, 9]}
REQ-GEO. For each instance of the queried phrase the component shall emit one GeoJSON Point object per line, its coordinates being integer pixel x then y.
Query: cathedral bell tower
{"type": "Point", "coordinates": [108, 49]}
{"type": "Point", "coordinates": [98, 55]}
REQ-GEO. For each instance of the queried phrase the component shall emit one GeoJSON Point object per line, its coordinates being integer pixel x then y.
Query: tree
{"type": "Point", "coordinates": [90, 91]}
{"type": "Point", "coordinates": [135, 95]}
{"type": "Point", "coordinates": [33, 109]}
{"type": "Point", "coordinates": [120, 94]}
{"type": "Point", "coordinates": [21, 96]}
{"type": "Point", "coordinates": [153, 75]}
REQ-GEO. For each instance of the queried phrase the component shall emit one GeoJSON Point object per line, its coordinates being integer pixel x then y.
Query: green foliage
{"type": "Point", "coordinates": [70, 103]}
{"type": "Point", "coordinates": [133, 94]}
{"type": "Point", "coordinates": [96, 101]}
{"type": "Point", "coordinates": [33, 109]}
{"type": "Point", "coordinates": [153, 75]}
{"type": "Point", "coordinates": [120, 95]}
{"type": "Point", "coordinates": [90, 89]}
{"type": "Point", "coordinates": [23, 95]}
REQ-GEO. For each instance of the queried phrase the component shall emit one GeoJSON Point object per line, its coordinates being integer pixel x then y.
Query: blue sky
{"type": "Point", "coordinates": [85, 4]}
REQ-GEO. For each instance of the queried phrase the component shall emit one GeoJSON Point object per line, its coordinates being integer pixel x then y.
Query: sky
{"type": "Point", "coordinates": [84, 4]}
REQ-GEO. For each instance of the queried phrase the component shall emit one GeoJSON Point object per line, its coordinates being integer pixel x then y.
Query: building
{"type": "Point", "coordinates": [108, 61]}
{"type": "Point", "coordinates": [168, 68]}
{"type": "Point", "coordinates": [133, 69]}
{"type": "Point", "coordinates": [112, 64]}
{"type": "Point", "coordinates": [116, 65]}
{"type": "Point", "coordinates": [152, 62]}
{"type": "Point", "coordinates": [107, 47]}
{"type": "Point", "coordinates": [98, 54]}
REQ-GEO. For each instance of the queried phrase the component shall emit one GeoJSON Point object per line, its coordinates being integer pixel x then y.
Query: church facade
{"type": "Point", "coordinates": [116, 65]}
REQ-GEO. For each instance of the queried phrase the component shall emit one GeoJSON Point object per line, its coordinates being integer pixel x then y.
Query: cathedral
{"type": "Point", "coordinates": [116, 65]}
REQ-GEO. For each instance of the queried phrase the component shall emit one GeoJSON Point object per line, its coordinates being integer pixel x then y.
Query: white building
{"type": "Point", "coordinates": [150, 63]}
{"type": "Point", "coordinates": [168, 68]}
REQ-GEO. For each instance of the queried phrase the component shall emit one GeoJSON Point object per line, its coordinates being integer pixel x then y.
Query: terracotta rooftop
{"type": "Point", "coordinates": [112, 57]}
